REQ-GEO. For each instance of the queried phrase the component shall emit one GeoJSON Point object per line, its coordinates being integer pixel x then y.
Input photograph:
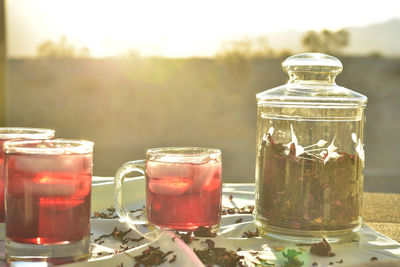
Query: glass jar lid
{"type": "Point", "coordinates": [312, 82]}
{"type": "Point", "coordinates": [312, 66]}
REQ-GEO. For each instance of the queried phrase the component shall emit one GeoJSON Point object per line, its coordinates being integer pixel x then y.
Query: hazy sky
{"type": "Point", "coordinates": [176, 28]}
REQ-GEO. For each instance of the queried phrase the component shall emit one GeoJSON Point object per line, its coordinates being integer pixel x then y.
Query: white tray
{"type": "Point", "coordinates": [371, 244]}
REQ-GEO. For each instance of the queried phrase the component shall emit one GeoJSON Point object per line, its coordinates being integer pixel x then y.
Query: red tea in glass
{"type": "Point", "coordinates": [48, 198]}
{"type": "Point", "coordinates": [183, 187]}
{"type": "Point", "coordinates": [17, 133]}
{"type": "Point", "coordinates": [183, 196]}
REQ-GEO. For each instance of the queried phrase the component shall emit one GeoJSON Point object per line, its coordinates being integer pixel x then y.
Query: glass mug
{"type": "Point", "coordinates": [16, 133]}
{"type": "Point", "coordinates": [48, 189]}
{"type": "Point", "coordinates": [183, 188]}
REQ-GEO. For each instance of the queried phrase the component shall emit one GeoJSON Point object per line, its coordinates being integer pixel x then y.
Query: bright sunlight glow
{"type": "Point", "coordinates": [174, 28]}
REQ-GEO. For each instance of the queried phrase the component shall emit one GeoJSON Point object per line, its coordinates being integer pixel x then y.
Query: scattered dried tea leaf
{"type": "Point", "coordinates": [219, 256]}
{"type": "Point", "coordinates": [111, 214]}
{"type": "Point", "coordinates": [173, 259]}
{"type": "Point", "coordinates": [322, 249]}
{"type": "Point", "coordinates": [136, 210]}
{"type": "Point", "coordinates": [250, 234]}
{"type": "Point", "coordinates": [210, 243]}
{"type": "Point", "coordinates": [204, 232]}
{"type": "Point", "coordinates": [239, 220]}
{"type": "Point", "coordinates": [120, 236]}
{"type": "Point", "coordinates": [124, 248]}
{"type": "Point", "coordinates": [374, 259]}
{"type": "Point", "coordinates": [103, 253]}
{"type": "Point", "coordinates": [103, 215]}
{"type": "Point", "coordinates": [248, 209]}
{"type": "Point", "coordinates": [186, 237]}
{"type": "Point", "coordinates": [152, 256]}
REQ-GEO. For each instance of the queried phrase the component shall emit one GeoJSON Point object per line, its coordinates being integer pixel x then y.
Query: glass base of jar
{"type": "Point", "coordinates": [212, 228]}
{"type": "Point", "coordinates": [307, 236]}
{"type": "Point", "coordinates": [55, 254]}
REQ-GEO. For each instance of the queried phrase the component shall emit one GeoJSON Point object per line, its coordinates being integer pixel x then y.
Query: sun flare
{"type": "Point", "coordinates": [173, 28]}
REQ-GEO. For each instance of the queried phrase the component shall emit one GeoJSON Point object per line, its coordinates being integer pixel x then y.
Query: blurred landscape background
{"type": "Point", "coordinates": [131, 100]}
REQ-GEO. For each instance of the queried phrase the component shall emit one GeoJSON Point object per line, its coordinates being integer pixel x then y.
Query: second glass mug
{"type": "Point", "coordinates": [183, 188]}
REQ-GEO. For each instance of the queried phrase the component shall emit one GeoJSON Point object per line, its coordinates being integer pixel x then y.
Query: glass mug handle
{"type": "Point", "coordinates": [119, 203]}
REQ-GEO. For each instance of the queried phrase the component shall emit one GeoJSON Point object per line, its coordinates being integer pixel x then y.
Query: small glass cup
{"type": "Point", "coordinates": [183, 188]}
{"type": "Point", "coordinates": [16, 133]}
{"type": "Point", "coordinates": [48, 188]}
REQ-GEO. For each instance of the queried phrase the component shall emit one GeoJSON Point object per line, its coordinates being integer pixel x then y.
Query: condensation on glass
{"type": "Point", "coordinates": [310, 156]}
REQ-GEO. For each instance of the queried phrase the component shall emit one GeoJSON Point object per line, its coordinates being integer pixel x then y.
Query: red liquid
{"type": "Point", "coordinates": [48, 198]}
{"type": "Point", "coordinates": [183, 196]}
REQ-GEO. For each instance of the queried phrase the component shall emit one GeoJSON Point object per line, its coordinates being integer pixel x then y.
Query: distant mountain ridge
{"type": "Point", "coordinates": [382, 38]}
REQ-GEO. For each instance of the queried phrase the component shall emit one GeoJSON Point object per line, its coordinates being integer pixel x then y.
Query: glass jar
{"type": "Point", "coordinates": [310, 156]}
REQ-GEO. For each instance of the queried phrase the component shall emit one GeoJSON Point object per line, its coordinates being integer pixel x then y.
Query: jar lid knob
{"type": "Point", "coordinates": [313, 62]}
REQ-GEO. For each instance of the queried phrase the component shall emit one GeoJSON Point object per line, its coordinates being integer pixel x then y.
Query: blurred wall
{"type": "Point", "coordinates": [128, 105]}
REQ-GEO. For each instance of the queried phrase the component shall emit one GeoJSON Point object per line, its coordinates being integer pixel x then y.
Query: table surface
{"type": "Point", "coordinates": [382, 212]}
